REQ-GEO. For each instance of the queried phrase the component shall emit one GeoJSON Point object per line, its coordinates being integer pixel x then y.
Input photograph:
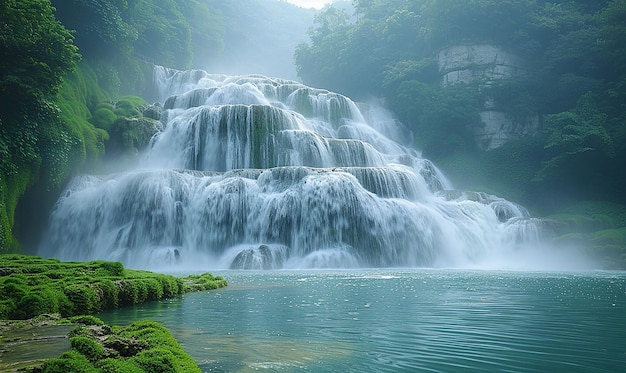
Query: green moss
{"type": "Point", "coordinates": [30, 286]}
{"type": "Point", "coordinates": [86, 320]}
{"type": "Point", "coordinates": [87, 347]}
{"type": "Point", "coordinates": [111, 365]}
{"type": "Point", "coordinates": [204, 281]}
{"type": "Point", "coordinates": [72, 361]}
{"type": "Point", "coordinates": [104, 118]}
{"type": "Point", "coordinates": [143, 346]}
{"type": "Point", "coordinates": [163, 354]}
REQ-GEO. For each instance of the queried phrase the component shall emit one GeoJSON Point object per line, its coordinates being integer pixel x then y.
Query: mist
{"type": "Point", "coordinates": [259, 37]}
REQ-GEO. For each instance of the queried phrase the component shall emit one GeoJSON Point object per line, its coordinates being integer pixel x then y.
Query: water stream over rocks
{"type": "Point", "coordinates": [252, 172]}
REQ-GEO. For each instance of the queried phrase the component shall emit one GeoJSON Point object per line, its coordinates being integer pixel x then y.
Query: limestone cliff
{"type": "Point", "coordinates": [487, 64]}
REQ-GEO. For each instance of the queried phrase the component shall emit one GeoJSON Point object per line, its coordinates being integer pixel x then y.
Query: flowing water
{"type": "Point", "coordinates": [253, 172]}
{"type": "Point", "coordinates": [419, 320]}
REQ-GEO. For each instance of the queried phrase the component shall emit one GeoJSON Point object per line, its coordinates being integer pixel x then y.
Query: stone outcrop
{"type": "Point", "coordinates": [486, 64]}
{"type": "Point", "coordinates": [481, 62]}
{"type": "Point", "coordinates": [499, 128]}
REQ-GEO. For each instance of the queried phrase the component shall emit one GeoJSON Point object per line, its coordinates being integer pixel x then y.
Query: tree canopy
{"type": "Point", "coordinates": [36, 50]}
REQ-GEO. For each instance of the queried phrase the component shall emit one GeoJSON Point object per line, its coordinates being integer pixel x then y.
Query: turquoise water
{"type": "Point", "coordinates": [400, 321]}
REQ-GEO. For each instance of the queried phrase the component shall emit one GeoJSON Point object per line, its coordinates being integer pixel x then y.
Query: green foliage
{"type": "Point", "coordinates": [319, 62]}
{"type": "Point", "coordinates": [502, 22]}
{"type": "Point", "coordinates": [35, 50]}
{"type": "Point", "coordinates": [30, 286]}
{"type": "Point", "coordinates": [443, 117]}
{"type": "Point", "coordinates": [25, 142]}
{"type": "Point", "coordinates": [99, 24]}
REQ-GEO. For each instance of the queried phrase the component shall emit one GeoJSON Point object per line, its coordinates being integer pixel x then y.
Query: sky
{"type": "Point", "coordinates": [317, 4]}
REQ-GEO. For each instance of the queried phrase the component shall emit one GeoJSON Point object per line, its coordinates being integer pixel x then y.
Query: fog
{"type": "Point", "coordinates": [260, 36]}
{"type": "Point", "coordinates": [315, 4]}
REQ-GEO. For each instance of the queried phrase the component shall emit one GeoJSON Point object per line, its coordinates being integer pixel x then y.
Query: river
{"type": "Point", "coordinates": [405, 320]}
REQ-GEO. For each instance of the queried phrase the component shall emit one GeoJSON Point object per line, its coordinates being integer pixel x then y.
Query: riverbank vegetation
{"type": "Point", "coordinates": [85, 344]}
{"type": "Point", "coordinates": [31, 286]}
{"type": "Point", "coordinates": [33, 290]}
{"type": "Point", "coordinates": [142, 346]}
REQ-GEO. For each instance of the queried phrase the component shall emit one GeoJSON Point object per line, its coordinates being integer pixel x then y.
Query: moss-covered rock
{"type": "Point", "coordinates": [128, 136]}
{"type": "Point", "coordinates": [143, 346]}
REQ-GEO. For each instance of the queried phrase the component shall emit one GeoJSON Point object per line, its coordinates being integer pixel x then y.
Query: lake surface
{"type": "Point", "coordinates": [400, 321]}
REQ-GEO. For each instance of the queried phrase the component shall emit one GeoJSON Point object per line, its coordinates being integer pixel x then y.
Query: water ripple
{"type": "Point", "coordinates": [397, 321]}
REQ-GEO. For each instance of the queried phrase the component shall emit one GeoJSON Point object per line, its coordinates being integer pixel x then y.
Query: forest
{"type": "Point", "coordinates": [72, 70]}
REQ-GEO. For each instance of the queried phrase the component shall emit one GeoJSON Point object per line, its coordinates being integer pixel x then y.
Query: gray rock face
{"type": "Point", "coordinates": [486, 64]}
{"type": "Point", "coordinates": [483, 62]}
{"type": "Point", "coordinates": [499, 128]}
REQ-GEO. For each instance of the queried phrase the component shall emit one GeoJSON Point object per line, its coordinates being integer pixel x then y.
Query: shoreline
{"type": "Point", "coordinates": [54, 330]}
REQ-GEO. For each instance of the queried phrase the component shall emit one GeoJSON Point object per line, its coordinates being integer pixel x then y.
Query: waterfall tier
{"type": "Point", "coordinates": [258, 173]}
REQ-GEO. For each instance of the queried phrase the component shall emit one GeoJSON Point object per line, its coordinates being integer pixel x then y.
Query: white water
{"type": "Point", "coordinates": [259, 173]}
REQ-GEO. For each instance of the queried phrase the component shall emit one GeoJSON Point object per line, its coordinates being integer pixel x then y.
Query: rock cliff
{"type": "Point", "coordinates": [487, 64]}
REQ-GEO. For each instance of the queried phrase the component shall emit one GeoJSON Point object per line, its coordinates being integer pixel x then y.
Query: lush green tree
{"type": "Point", "coordinates": [36, 51]}
{"type": "Point", "coordinates": [163, 32]}
{"type": "Point", "coordinates": [323, 62]}
{"type": "Point", "coordinates": [442, 118]}
{"type": "Point", "coordinates": [613, 35]}
{"type": "Point", "coordinates": [99, 24]}
{"type": "Point", "coordinates": [578, 149]}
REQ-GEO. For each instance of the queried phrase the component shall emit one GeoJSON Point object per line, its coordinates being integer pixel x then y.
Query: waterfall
{"type": "Point", "coordinates": [253, 172]}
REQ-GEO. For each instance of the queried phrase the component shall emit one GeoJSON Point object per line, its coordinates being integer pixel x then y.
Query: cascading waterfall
{"type": "Point", "coordinates": [252, 172]}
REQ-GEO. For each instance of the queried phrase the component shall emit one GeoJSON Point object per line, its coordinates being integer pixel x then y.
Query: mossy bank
{"type": "Point", "coordinates": [48, 293]}
{"type": "Point", "coordinates": [31, 286]}
{"type": "Point", "coordinates": [86, 344]}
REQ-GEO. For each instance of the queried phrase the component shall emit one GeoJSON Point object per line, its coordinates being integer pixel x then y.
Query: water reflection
{"type": "Point", "coordinates": [385, 320]}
